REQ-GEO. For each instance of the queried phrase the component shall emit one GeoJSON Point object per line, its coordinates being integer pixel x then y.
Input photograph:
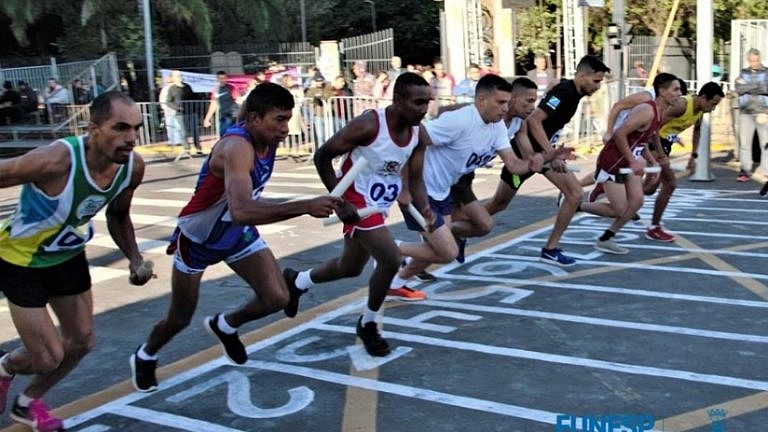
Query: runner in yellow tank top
{"type": "Point", "coordinates": [686, 113]}
{"type": "Point", "coordinates": [42, 247]}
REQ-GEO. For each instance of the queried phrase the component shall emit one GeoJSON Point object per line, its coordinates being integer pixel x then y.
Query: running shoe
{"type": "Point", "coordinates": [143, 373]}
{"type": "Point", "coordinates": [231, 346]}
{"type": "Point", "coordinates": [462, 244]}
{"type": "Point", "coordinates": [374, 344]}
{"type": "Point", "coordinates": [610, 246]}
{"type": "Point", "coordinates": [292, 307]}
{"type": "Point", "coordinates": [37, 416]}
{"type": "Point", "coordinates": [405, 294]}
{"type": "Point", "coordinates": [764, 189]}
{"type": "Point", "coordinates": [425, 276]}
{"type": "Point", "coordinates": [5, 385]}
{"type": "Point", "coordinates": [657, 233]}
{"type": "Point", "coordinates": [595, 193]}
{"type": "Point", "coordinates": [742, 177]}
{"type": "Point", "coordinates": [556, 256]}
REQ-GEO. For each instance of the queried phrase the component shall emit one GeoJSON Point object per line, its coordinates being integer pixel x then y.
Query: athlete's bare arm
{"type": "Point", "coordinates": [47, 167]}
{"type": "Point", "coordinates": [627, 103]}
{"type": "Point", "coordinates": [120, 224]}
{"type": "Point", "coordinates": [415, 177]}
{"type": "Point", "coordinates": [233, 157]}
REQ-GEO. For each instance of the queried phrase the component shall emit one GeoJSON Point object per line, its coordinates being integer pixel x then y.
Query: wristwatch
{"type": "Point", "coordinates": [694, 155]}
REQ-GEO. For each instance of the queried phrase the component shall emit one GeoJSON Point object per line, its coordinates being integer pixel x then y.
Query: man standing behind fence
{"type": "Point", "coordinates": [223, 99]}
{"type": "Point", "coordinates": [180, 97]}
{"type": "Point", "coordinates": [752, 87]}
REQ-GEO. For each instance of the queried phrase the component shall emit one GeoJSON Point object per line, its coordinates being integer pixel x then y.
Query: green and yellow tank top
{"type": "Point", "coordinates": [47, 230]}
{"type": "Point", "coordinates": [679, 124]}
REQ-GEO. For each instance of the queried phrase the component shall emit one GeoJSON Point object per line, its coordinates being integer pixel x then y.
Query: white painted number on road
{"type": "Point", "coordinates": [239, 397]}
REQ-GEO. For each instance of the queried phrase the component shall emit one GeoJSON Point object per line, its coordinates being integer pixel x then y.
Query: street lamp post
{"type": "Point", "coordinates": [373, 13]}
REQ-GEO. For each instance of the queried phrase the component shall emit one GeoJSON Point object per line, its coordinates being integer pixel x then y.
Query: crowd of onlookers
{"type": "Point", "coordinates": [24, 104]}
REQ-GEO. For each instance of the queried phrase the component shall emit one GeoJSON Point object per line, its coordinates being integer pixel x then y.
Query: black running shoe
{"type": "Point", "coordinates": [425, 276]}
{"type": "Point", "coordinates": [230, 344]}
{"type": "Point", "coordinates": [372, 340]}
{"type": "Point", "coordinates": [292, 308]}
{"type": "Point", "coordinates": [143, 373]}
{"type": "Point", "coordinates": [462, 244]}
{"type": "Point", "coordinates": [764, 189]}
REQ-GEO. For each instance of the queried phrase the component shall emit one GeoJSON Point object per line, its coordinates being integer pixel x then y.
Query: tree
{"type": "Point", "coordinates": [537, 31]}
{"type": "Point", "coordinates": [22, 14]}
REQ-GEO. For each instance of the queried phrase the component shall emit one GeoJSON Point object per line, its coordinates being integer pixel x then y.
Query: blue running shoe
{"type": "Point", "coordinates": [556, 256]}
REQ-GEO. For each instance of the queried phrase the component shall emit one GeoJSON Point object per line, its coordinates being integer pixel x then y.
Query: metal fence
{"type": "Point", "coordinates": [375, 48]}
{"type": "Point", "coordinates": [37, 76]}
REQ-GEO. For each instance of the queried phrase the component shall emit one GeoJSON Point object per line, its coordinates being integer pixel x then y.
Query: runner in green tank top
{"type": "Point", "coordinates": [42, 247]}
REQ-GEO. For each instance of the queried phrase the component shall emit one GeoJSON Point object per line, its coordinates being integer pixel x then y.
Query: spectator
{"type": "Point", "coordinates": [397, 68]}
{"type": "Point", "coordinates": [362, 88]}
{"type": "Point", "coordinates": [296, 124]}
{"type": "Point", "coordinates": [338, 95]}
{"type": "Point", "coordinates": [638, 71]}
{"type": "Point", "coordinates": [181, 97]}
{"type": "Point", "coordinates": [10, 105]}
{"type": "Point", "coordinates": [381, 89]}
{"type": "Point", "coordinates": [28, 95]}
{"type": "Point", "coordinates": [542, 75]}
{"type": "Point", "coordinates": [223, 101]}
{"type": "Point", "coordinates": [317, 93]}
{"type": "Point", "coordinates": [173, 125]}
{"type": "Point", "coordinates": [465, 90]}
{"type": "Point", "coordinates": [752, 87]}
{"type": "Point", "coordinates": [80, 94]}
{"type": "Point", "coordinates": [56, 98]}
{"type": "Point", "coordinates": [442, 88]}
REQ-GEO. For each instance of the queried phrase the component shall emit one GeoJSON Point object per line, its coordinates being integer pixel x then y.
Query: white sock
{"type": "Point", "coordinates": [369, 315]}
{"type": "Point", "coordinates": [224, 325]}
{"type": "Point", "coordinates": [3, 371]}
{"type": "Point", "coordinates": [304, 280]}
{"type": "Point", "coordinates": [144, 355]}
{"type": "Point", "coordinates": [398, 282]}
{"type": "Point", "coordinates": [23, 400]}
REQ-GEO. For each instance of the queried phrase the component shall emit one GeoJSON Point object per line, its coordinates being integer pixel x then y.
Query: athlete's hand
{"type": "Point", "coordinates": [206, 123]}
{"type": "Point", "coordinates": [140, 272]}
{"type": "Point", "coordinates": [323, 206]}
{"type": "Point", "coordinates": [564, 153]}
{"type": "Point", "coordinates": [535, 162]}
{"type": "Point", "coordinates": [691, 164]}
{"type": "Point", "coordinates": [347, 213]}
{"type": "Point", "coordinates": [558, 165]}
{"type": "Point", "coordinates": [637, 166]}
{"type": "Point", "coordinates": [429, 217]}
{"type": "Point", "coordinates": [607, 137]}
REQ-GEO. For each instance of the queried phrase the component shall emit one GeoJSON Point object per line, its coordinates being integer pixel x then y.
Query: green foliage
{"type": "Point", "coordinates": [22, 13]}
{"type": "Point", "coordinates": [537, 28]}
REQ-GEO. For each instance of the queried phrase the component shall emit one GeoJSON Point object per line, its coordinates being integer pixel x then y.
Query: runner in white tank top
{"type": "Point", "coordinates": [391, 140]}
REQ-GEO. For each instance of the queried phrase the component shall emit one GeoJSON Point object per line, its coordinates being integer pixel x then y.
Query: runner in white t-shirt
{"type": "Point", "coordinates": [462, 141]}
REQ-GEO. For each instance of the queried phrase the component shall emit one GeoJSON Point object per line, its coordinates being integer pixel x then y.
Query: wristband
{"type": "Point", "coordinates": [694, 155]}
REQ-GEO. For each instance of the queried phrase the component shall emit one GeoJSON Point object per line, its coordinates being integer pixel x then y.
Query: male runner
{"type": "Point", "coordinates": [541, 131]}
{"type": "Point", "coordinates": [626, 149]}
{"type": "Point", "coordinates": [42, 247]}
{"type": "Point", "coordinates": [392, 140]}
{"type": "Point", "coordinates": [218, 224]}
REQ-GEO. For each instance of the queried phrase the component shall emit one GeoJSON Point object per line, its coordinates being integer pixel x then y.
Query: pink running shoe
{"type": "Point", "coordinates": [36, 416]}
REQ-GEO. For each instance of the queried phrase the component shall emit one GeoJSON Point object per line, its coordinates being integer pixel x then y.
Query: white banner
{"type": "Point", "coordinates": [200, 83]}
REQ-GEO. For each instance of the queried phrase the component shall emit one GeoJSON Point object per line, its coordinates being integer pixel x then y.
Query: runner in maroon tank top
{"type": "Point", "coordinates": [628, 148]}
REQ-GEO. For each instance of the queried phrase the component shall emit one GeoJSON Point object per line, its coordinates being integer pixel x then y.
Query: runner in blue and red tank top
{"type": "Point", "coordinates": [628, 148]}
{"type": "Point", "coordinates": [218, 224]}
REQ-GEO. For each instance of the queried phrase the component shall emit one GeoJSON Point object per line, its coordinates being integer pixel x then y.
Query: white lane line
{"type": "Point", "coordinates": [660, 248]}
{"type": "Point", "coordinates": [605, 289]}
{"type": "Point", "coordinates": [697, 271]}
{"type": "Point", "coordinates": [579, 319]}
{"type": "Point", "coordinates": [170, 222]}
{"type": "Point", "coordinates": [174, 421]}
{"type": "Point", "coordinates": [409, 391]}
{"type": "Point", "coordinates": [566, 360]}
